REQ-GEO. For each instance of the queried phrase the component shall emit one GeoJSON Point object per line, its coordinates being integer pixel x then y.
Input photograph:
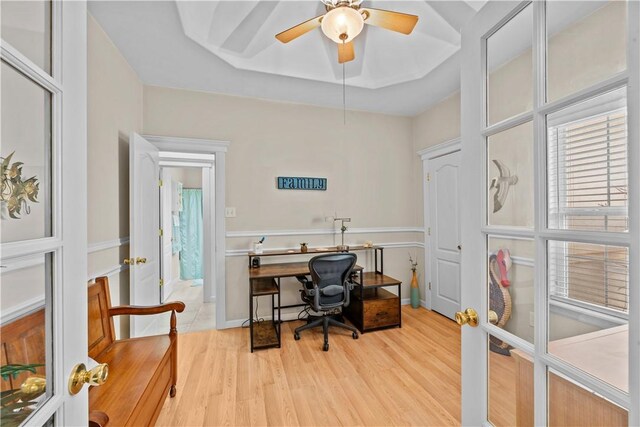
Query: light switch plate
{"type": "Point", "coordinates": [531, 318]}
{"type": "Point", "coordinates": [230, 212]}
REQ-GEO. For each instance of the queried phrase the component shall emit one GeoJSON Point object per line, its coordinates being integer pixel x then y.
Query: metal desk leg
{"type": "Point", "coordinates": [251, 313]}
{"type": "Point", "coordinates": [400, 305]}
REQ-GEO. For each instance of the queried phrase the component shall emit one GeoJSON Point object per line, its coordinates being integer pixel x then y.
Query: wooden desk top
{"type": "Point", "coordinates": [603, 354]}
{"type": "Point", "coordinates": [325, 250]}
{"type": "Point", "coordinates": [283, 269]}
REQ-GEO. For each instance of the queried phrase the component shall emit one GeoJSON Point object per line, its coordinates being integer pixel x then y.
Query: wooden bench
{"type": "Point", "coordinates": [141, 370]}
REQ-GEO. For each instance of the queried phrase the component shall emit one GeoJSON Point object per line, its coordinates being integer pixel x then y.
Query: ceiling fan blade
{"type": "Point", "coordinates": [394, 21]}
{"type": "Point", "coordinates": [345, 52]}
{"type": "Point", "coordinates": [300, 29]}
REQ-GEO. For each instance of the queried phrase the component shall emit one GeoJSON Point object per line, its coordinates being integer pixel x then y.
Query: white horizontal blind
{"type": "Point", "coordinates": [591, 274]}
{"type": "Point", "coordinates": [587, 190]}
{"type": "Point", "coordinates": [588, 173]}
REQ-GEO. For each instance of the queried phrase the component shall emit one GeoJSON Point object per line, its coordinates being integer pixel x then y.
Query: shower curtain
{"type": "Point", "coordinates": [191, 235]}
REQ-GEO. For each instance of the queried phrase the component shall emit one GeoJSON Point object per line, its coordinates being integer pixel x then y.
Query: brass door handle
{"type": "Point", "coordinates": [129, 261]}
{"type": "Point", "coordinates": [80, 376]}
{"type": "Point", "coordinates": [493, 317]}
{"type": "Point", "coordinates": [141, 260]}
{"type": "Point", "coordinates": [467, 317]}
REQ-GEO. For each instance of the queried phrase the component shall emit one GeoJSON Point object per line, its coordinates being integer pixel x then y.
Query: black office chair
{"type": "Point", "coordinates": [328, 289]}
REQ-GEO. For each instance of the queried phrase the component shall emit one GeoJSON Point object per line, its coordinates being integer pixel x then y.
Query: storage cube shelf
{"type": "Point", "coordinates": [372, 306]}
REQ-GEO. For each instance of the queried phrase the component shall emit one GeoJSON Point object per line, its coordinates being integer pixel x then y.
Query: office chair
{"type": "Point", "coordinates": [329, 289]}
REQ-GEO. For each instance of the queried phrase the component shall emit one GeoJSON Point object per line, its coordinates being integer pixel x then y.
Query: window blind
{"type": "Point", "coordinates": [587, 191]}
{"type": "Point", "coordinates": [592, 274]}
{"type": "Point", "coordinates": [587, 179]}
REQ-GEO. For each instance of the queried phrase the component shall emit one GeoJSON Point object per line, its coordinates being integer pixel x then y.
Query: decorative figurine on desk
{"type": "Point", "coordinates": [415, 290]}
{"type": "Point", "coordinates": [303, 248]}
{"type": "Point", "coordinates": [342, 247]}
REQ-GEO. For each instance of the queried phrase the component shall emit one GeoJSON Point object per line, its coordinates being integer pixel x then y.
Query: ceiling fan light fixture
{"type": "Point", "coordinates": [342, 24]}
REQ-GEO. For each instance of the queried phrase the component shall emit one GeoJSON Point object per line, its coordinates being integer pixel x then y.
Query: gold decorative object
{"type": "Point", "coordinates": [33, 385]}
{"type": "Point", "coordinates": [14, 192]}
{"type": "Point", "coordinates": [303, 247]}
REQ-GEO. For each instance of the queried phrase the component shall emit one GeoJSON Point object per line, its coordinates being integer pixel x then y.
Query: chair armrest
{"type": "Point", "coordinates": [146, 310]}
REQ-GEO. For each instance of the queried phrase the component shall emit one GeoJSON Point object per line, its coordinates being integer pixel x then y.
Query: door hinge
{"type": "Point", "coordinates": [160, 183]}
{"type": "Point", "coordinates": [161, 282]}
{"type": "Point", "coordinates": [429, 231]}
{"type": "Point", "coordinates": [428, 177]}
{"type": "Point", "coordinates": [161, 232]}
{"type": "Point", "coordinates": [429, 285]}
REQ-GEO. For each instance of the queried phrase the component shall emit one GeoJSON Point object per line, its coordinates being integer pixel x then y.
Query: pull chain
{"type": "Point", "coordinates": [344, 96]}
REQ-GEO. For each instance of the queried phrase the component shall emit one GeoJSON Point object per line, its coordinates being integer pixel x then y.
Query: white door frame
{"type": "Point", "coordinates": [204, 163]}
{"type": "Point", "coordinates": [473, 216]}
{"type": "Point", "coordinates": [214, 250]}
{"type": "Point", "coordinates": [427, 154]}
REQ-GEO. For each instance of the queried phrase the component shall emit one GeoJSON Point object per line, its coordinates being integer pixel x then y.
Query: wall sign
{"type": "Point", "coordinates": [301, 183]}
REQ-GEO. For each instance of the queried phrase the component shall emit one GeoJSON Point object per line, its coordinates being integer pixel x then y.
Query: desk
{"type": "Point", "coordinates": [603, 354]}
{"type": "Point", "coordinates": [372, 307]}
{"type": "Point", "coordinates": [265, 281]}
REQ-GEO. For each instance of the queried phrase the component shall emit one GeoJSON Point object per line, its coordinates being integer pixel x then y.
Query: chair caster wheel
{"type": "Point", "coordinates": [355, 335]}
{"type": "Point", "coordinates": [296, 336]}
{"type": "Point", "coordinates": [325, 347]}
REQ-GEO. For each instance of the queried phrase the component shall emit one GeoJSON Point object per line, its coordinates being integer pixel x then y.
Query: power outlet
{"type": "Point", "coordinates": [230, 212]}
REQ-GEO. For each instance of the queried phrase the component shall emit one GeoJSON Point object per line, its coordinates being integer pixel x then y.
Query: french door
{"type": "Point", "coordinates": [551, 214]}
{"type": "Point", "coordinates": [43, 205]}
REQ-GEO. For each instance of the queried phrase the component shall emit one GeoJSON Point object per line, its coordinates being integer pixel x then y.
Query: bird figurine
{"type": "Point", "coordinates": [501, 185]}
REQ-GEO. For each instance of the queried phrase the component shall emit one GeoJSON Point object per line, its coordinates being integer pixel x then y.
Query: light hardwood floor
{"type": "Point", "coordinates": [407, 376]}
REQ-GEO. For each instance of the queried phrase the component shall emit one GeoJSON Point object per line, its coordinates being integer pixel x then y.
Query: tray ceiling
{"type": "Point", "coordinates": [242, 34]}
{"type": "Point", "coordinates": [229, 47]}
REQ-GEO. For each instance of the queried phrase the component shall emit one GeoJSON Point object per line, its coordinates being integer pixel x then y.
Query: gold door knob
{"type": "Point", "coordinates": [80, 376]}
{"type": "Point", "coordinates": [467, 317]}
{"type": "Point", "coordinates": [493, 317]}
{"type": "Point", "coordinates": [141, 260]}
{"type": "Point", "coordinates": [129, 261]}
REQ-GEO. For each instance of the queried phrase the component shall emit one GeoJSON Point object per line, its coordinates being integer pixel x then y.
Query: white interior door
{"type": "Point", "coordinates": [144, 219]}
{"type": "Point", "coordinates": [445, 246]}
{"type": "Point", "coordinates": [550, 214]}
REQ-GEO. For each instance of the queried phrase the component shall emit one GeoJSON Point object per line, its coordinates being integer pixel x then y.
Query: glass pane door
{"type": "Point", "coordinates": [42, 234]}
{"type": "Point", "coordinates": [554, 247]}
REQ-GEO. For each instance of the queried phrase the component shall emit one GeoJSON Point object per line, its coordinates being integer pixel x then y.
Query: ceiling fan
{"type": "Point", "coordinates": [345, 19]}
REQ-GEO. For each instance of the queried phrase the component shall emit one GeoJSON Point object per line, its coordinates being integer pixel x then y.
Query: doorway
{"type": "Point", "coordinates": [147, 232]}
{"type": "Point", "coordinates": [182, 243]}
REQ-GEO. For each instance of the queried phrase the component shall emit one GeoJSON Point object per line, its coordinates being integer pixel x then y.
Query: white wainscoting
{"type": "Point", "coordinates": [108, 244]}
{"type": "Point", "coordinates": [323, 231]}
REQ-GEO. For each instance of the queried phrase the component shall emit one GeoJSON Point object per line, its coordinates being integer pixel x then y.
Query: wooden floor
{"type": "Point", "coordinates": [407, 376]}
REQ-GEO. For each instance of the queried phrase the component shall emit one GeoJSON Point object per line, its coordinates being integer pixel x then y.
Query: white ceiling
{"type": "Point", "coordinates": [229, 47]}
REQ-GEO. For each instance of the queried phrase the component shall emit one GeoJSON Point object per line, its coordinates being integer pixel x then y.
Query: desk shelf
{"type": "Point", "coordinates": [264, 334]}
{"type": "Point", "coordinates": [372, 306]}
{"type": "Point", "coordinates": [264, 287]}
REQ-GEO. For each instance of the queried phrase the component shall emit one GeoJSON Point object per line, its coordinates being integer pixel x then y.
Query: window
{"type": "Point", "coordinates": [587, 183]}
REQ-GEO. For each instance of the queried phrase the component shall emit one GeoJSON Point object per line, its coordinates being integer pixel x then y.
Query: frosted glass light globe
{"type": "Point", "coordinates": [342, 24]}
